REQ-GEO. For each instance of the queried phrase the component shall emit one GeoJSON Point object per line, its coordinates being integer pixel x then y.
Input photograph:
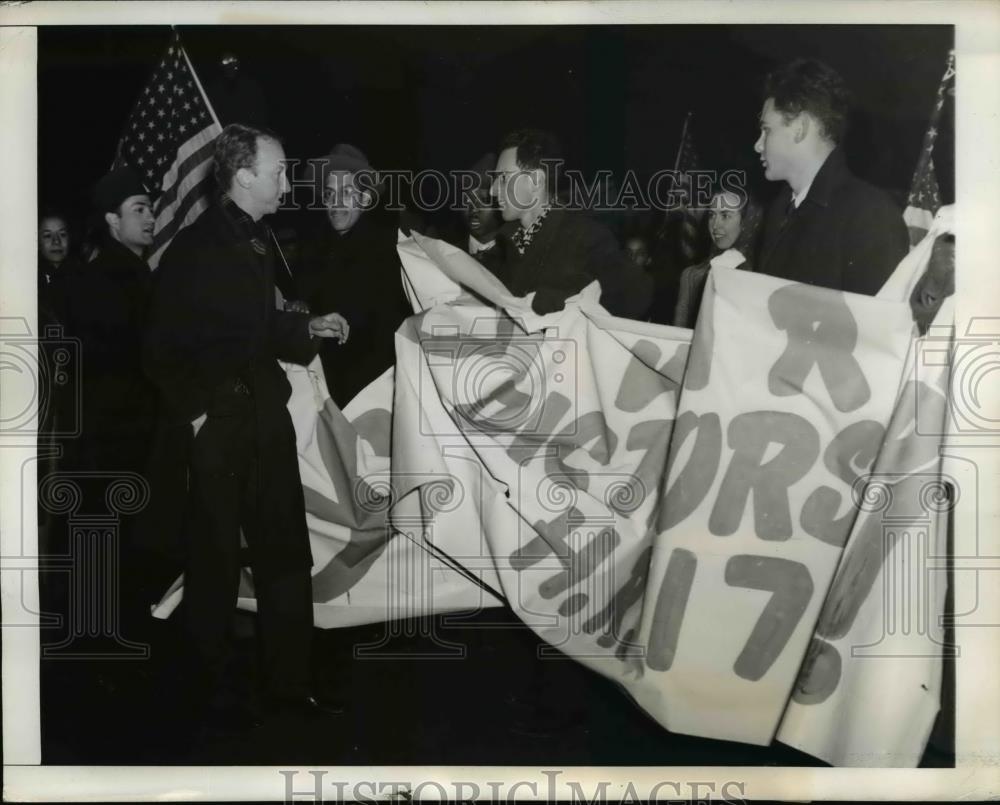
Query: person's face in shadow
{"type": "Point", "coordinates": [937, 283]}
{"type": "Point", "coordinates": [637, 251]}
{"type": "Point", "coordinates": [482, 216]}
{"type": "Point", "coordinates": [53, 239]}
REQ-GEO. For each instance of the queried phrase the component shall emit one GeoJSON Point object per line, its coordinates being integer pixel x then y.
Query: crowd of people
{"type": "Point", "coordinates": [179, 377]}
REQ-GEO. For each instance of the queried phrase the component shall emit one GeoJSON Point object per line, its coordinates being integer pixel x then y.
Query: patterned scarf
{"type": "Point", "coordinates": [522, 237]}
{"type": "Point", "coordinates": [257, 231]}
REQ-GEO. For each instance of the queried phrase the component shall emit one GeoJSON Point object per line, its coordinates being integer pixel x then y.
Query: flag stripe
{"type": "Point", "coordinates": [199, 205]}
{"type": "Point", "coordinates": [189, 155]}
{"type": "Point", "coordinates": [183, 216]}
{"type": "Point", "coordinates": [192, 179]}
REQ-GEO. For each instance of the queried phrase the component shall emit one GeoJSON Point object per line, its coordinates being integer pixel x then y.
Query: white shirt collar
{"type": "Point", "coordinates": [476, 246]}
{"type": "Point", "coordinates": [798, 199]}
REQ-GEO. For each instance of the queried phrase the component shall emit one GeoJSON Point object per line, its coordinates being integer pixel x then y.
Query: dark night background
{"type": "Point", "coordinates": [440, 97]}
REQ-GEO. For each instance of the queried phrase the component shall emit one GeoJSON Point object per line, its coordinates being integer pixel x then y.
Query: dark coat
{"type": "Point", "coordinates": [493, 259]}
{"type": "Point", "coordinates": [356, 274]}
{"type": "Point", "coordinates": [846, 234]}
{"type": "Point", "coordinates": [570, 251]}
{"type": "Point", "coordinates": [105, 308]}
{"type": "Point", "coordinates": [678, 244]}
{"type": "Point", "coordinates": [53, 289]}
{"type": "Point", "coordinates": [57, 400]}
{"type": "Point", "coordinates": [691, 291]}
{"type": "Point", "coordinates": [212, 345]}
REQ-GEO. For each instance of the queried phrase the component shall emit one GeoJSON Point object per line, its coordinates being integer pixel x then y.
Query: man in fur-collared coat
{"type": "Point", "coordinates": [556, 252]}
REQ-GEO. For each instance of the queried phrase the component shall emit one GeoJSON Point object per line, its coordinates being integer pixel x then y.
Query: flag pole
{"type": "Point", "coordinates": [281, 254]}
{"type": "Point", "coordinates": [923, 199]}
{"type": "Point", "coordinates": [930, 136]}
{"type": "Point", "coordinates": [197, 80]}
{"type": "Point", "coordinates": [680, 145]}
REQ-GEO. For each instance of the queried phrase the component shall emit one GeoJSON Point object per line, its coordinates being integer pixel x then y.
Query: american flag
{"type": "Point", "coordinates": [687, 158]}
{"type": "Point", "coordinates": [168, 140]}
{"type": "Point", "coordinates": [685, 161]}
{"type": "Point", "coordinates": [925, 197]}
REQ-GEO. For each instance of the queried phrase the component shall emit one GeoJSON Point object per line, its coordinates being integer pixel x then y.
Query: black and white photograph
{"type": "Point", "coordinates": [462, 401]}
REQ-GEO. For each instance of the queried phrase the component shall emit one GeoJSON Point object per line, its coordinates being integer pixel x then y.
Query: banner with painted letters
{"type": "Point", "coordinates": [561, 425]}
{"type": "Point", "coordinates": [684, 513]}
{"type": "Point", "coordinates": [785, 386]}
{"type": "Point", "coordinates": [879, 643]}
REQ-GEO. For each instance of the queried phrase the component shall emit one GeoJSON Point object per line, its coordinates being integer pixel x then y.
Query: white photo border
{"type": "Point", "coordinates": [977, 772]}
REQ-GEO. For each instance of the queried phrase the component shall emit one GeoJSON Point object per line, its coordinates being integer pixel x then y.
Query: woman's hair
{"type": "Point", "coordinates": [751, 217]}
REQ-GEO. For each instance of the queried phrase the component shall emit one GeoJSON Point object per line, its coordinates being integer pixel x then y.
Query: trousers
{"type": "Point", "coordinates": [227, 499]}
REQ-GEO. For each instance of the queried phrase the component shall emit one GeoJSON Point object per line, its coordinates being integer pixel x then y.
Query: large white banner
{"type": "Point", "coordinates": [786, 385]}
{"type": "Point", "coordinates": [695, 515]}
{"type": "Point", "coordinates": [870, 687]}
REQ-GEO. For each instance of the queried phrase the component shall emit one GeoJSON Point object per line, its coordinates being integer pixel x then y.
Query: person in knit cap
{"type": "Point", "coordinates": [351, 264]}
{"type": "Point", "coordinates": [106, 309]}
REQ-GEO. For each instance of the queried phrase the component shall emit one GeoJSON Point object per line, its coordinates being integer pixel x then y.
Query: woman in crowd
{"type": "Point", "coordinates": [54, 264]}
{"type": "Point", "coordinates": [733, 222]}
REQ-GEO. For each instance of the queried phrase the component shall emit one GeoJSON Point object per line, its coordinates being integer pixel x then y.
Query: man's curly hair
{"type": "Point", "coordinates": [808, 85]}
{"type": "Point", "coordinates": [235, 148]}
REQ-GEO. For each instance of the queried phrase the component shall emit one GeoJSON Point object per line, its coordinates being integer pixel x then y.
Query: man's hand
{"type": "Point", "coordinates": [296, 306]}
{"type": "Point", "coordinates": [332, 325]}
{"type": "Point", "coordinates": [548, 300]}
